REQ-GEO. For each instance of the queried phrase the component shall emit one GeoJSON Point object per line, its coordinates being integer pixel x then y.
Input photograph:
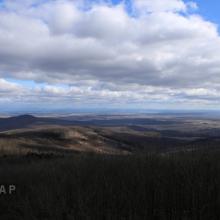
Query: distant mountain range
{"type": "Point", "coordinates": [16, 122]}
{"type": "Point", "coordinates": [25, 121]}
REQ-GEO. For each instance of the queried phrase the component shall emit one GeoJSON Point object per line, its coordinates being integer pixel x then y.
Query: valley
{"type": "Point", "coordinates": [106, 134]}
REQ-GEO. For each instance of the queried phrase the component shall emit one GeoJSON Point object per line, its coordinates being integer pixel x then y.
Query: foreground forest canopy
{"type": "Point", "coordinates": [178, 186]}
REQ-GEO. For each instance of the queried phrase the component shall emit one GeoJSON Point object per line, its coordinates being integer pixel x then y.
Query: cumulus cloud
{"type": "Point", "coordinates": [7, 87]}
{"type": "Point", "coordinates": [160, 6]}
{"type": "Point", "coordinates": [158, 51]}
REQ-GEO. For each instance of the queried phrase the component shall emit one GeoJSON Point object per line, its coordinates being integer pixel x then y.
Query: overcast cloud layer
{"type": "Point", "coordinates": [147, 54]}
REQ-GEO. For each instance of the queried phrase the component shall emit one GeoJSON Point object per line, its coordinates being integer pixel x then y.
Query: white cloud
{"type": "Point", "coordinates": [102, 52]}
{"type": "Point", "coordinates": [6, 87]}
{"type": "Point", "coordinates": [159, 6]}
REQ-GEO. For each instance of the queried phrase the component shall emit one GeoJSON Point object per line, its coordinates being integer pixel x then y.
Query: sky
{"type": "Point", "coordinates": [109, 54]}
